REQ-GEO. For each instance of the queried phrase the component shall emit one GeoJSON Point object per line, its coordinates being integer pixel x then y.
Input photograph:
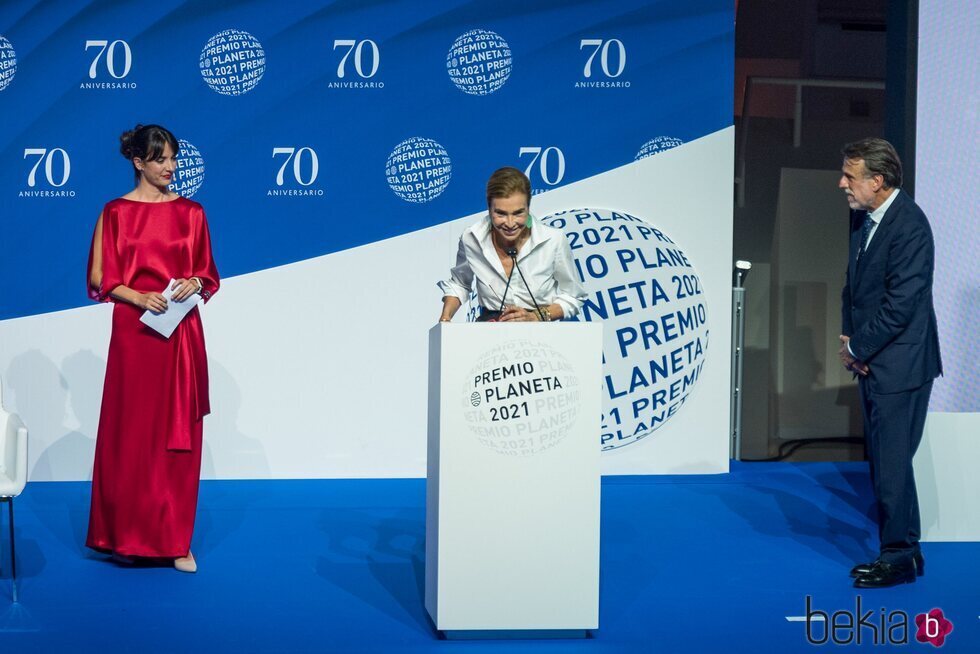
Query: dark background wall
{"type": "Point", "coordinates": [793, 387]}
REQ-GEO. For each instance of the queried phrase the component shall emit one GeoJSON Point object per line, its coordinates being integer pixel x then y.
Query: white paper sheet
{"type": "Point", "coordinates": [167, 322]}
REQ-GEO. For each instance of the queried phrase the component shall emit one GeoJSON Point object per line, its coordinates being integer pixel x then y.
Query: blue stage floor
{"type": "Point", "coordinates": [689, 564]}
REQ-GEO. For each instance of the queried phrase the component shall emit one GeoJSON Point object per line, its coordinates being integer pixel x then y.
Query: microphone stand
{"type": "Point", "coordinates": [512, 252]}
{"type": "Point", "coordinates": [504, 297]}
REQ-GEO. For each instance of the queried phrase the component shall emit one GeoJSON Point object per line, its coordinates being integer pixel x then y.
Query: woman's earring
{"type": "Point", "coordinates": [530, 219]}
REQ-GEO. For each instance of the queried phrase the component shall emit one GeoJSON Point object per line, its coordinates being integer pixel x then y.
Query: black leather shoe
{"type": "Point", "coordinates": [862, 569]}
{"type": "Point", "coordinates": [884, 575]}
{"type": "Point", "coordinates": [865, 568]}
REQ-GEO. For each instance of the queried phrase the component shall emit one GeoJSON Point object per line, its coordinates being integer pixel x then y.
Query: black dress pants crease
{"type": "Point", "coordinates": [893, 424]}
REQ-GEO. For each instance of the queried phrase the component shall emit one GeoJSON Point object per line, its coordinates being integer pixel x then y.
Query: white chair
{"type": "Point", "coordinates": [13, 472]}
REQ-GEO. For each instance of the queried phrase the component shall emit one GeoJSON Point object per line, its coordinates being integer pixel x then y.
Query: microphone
{"type": "Point", "coordinates": [512, 253]}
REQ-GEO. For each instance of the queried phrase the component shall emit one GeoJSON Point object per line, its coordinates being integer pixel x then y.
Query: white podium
{"type": "Point", "coordinates": [512, 493]}
{"type": "Point", "coordinates": [946, 480]}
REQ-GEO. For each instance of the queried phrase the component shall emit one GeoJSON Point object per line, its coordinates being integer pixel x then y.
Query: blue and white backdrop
{"type": "Point", "coordinates": [339, 149]}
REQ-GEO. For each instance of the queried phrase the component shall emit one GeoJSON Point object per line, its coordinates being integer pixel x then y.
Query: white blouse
{"type": "Point", "coordinates": [545, 259]}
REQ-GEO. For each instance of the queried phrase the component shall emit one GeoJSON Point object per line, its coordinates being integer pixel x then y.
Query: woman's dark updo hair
{"type": "Point", "coordinates": [146, 142]}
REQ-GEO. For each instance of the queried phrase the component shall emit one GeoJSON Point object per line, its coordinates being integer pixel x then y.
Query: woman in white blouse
{"type": "Point", "coordinates": [488, 250]}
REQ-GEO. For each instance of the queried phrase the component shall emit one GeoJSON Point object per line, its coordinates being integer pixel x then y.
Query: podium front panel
{"type": "Point", "coordinates": [512, 500]}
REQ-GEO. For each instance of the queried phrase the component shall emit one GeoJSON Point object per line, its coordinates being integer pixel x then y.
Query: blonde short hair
{"type": "Point", "coordinates": [505, 182]}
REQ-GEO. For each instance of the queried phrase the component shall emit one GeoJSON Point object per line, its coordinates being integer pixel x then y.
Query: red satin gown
{"type": "Point", "coordinates": [148, 451]}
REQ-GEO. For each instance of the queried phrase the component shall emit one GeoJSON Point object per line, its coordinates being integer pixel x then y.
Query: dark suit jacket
{"type": "Point", "coordinates": [886, 305]}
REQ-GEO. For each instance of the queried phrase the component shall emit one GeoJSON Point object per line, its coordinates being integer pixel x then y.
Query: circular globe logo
{"type": "Point", "coordinates": [8, 63]}
{"type": "Point", "coordinates": [479, 62]}
{"type": "Point", "coordinates": [650, 299]}
{"type": "Point", "coordinates": [521, 398]}
{"type": "Point", "coordinates": [418, 170]}
{"type": "Point", "coordinates": [655, 145]}
{"type": "Point", "coordinates": [232, 62]}
{"type": "Point", "coordinates": [189, 175]}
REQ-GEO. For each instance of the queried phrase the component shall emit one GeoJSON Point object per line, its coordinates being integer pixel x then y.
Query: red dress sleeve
{"type": "Point", "coordinates": [111, 264]}
{"type": "Point", "coordinates": [204, 266]}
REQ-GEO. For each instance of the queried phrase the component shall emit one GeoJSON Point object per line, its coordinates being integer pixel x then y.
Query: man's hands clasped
{"type": "Point", "coordinates": [848, 361]}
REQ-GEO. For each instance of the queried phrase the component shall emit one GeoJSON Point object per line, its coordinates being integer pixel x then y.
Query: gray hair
{"type": "Point", "coordinates": [879, 158]}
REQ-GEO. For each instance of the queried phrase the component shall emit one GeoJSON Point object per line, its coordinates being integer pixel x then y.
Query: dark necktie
{"type": "Point", "coordinates": [865, 233]}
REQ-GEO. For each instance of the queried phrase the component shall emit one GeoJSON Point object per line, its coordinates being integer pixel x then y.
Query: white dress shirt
{"type": "Point", "coordinates": [545, 259]}
{"type": "Point", "coordinates": [878, 214]}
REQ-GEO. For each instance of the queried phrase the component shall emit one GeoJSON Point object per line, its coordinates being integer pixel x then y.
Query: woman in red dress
{"type": "Point", "coordinates": [148, 451]}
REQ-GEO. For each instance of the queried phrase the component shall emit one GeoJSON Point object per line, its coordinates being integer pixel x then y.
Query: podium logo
{"type": "Point", "coordinates": [358, 64]}
{"type": "Point", "coordinates": [48, 174]}
{"type": "Point", "coordinates": [657, 145]}
{"type": "Point", "coordinates": [604, 65]}
{"type": "Point", "coordinates": [189, 175]}
{"type": "Point", "coordinates": [521, 398]}
{"type": "Point", "coordinates": [418, 170]}
{"type": "Point", "coordinates": [114, 59]}
{"type": "Point", "coordinates": [296, 179]}
{"type": "Point", "coordinates": [232, 62]}
{"type": "Point", "coordinates": [550, 165]}
{"type": "Point", "coordinates": [8, 63]}
{"type": "Point", "coordinates": [644, 288]}
{"type": "Point", "coordinates": [479, 62]}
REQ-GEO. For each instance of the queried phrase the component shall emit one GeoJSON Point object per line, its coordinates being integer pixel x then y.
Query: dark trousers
{"type": "Point", "coordinates": [893, 426]}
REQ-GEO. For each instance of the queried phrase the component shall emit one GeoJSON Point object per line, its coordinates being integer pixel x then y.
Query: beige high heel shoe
{"type": "Point", "coordinates": [186, 563]}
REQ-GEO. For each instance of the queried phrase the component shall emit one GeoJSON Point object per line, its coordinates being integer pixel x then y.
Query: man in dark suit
{"type": "Point", "coordinates": [891, 343]}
